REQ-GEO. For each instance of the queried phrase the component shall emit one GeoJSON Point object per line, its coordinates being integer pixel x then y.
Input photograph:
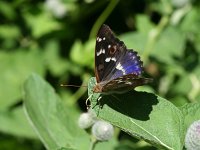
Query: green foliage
{"type": "Point", "coordinates": [56, 41]}
{"type": "Point", "coordinates": [41, 24]}
{"type": "Point", "coordinates": [51, 118]}
{"type": "Point", "coordinates": [143, 115]}
{"type": "Point", "coordinates": [55, 123]}
{"type": "Point", "coordinates": [80, 51]}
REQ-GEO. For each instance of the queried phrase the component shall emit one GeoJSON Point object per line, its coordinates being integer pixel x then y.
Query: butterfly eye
{"type": "Point", "coordinates": [112, 49]}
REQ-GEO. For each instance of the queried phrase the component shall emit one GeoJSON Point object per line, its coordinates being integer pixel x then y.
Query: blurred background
{"type": "Point", "coordinates": [56, 39]}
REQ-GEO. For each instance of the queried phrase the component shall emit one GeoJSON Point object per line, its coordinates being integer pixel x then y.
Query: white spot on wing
{"type": "Point", "coordinates": [109, 46]}
{"type": "Point", "coordinates": [99, 39]}
{"type": "Point", "coordinates": [119, 67]}
{"type": "Point", "coordinates": [108, 59]}
{"type": "Point", "coordinates": [104, 38]}
{"type": "Point", "coordinates": [102, 51]}
{"type": "Point", "coordinates": [113, 59]}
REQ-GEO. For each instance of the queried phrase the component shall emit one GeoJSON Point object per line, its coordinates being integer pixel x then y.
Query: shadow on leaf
{"type": "Point", "coordinates": [137, 105]}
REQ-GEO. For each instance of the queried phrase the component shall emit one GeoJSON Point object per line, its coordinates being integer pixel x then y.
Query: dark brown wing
{"type": "Point", "coordinates": [124, 84]}
{"type": "Point", "coordinates": [108, 50]}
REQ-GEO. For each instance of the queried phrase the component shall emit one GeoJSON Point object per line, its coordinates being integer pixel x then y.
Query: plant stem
{"type": "Point", "coordinates": [155, 32]}
{"type": "Point", "coordinates": [102, 18]}
{"type": "Point", "coordinates": [93, 143]}
{"type": "Point", "coordinates": [153, 35]}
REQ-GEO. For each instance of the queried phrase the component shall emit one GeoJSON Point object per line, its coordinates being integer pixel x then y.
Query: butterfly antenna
{"type": "Point", "coordinates": [71, 85]}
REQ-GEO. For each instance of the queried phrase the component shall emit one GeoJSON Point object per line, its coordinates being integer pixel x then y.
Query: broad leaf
{"type": "Point", "coordinates": [55, 124]}
{"type": "Point", "coordinates": [15, 67]}
{"type": "Point", "coordinates": [191, 113]}
{"type": "Point", "coordinates": [142, 115]}
{"type": "Point", "coordinates": [14, 122]}
{"type": "Point", "coordinates": [139, 39]}
{"type": "Point", "coordinates": [170, 45]}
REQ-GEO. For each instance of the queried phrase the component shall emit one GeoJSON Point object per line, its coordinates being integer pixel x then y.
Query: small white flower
{"type": "Point", "coordinates": [87, 119]}
{"type": "Point", "coordinates": [102, 130]}
{"type": "Point", "coordinates": [56, 7]}
{"type": "Point", "coordinates": [192, 138]}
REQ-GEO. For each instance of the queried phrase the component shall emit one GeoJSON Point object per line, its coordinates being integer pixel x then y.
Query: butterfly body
{"type": "Point", "coordinates": [117, 69]}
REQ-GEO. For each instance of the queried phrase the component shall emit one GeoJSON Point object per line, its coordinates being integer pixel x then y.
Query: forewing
{"type": "Point", "coordinates": [113, 59]}
{"type": "Point", "coordinates": [108, 51]}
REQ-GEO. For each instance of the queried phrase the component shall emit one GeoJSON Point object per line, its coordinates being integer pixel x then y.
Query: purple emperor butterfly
{"type": "Point", "coordinates": [117, 69]}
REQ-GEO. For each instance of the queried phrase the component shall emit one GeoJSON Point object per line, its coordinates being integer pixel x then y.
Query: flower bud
{"type": "Point", "coordinates": [87, 119]}
{"type": "Point", "coordinates": [192, 138]}
{"type": "Point", "coordinates": [102, 130]}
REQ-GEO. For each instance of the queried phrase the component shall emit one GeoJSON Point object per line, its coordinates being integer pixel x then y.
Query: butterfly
{"type": "Point", "coordinates": [117, 69]}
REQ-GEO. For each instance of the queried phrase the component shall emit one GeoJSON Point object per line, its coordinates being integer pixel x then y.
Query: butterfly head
{"type": "Point", "coordinates": [97, 88]}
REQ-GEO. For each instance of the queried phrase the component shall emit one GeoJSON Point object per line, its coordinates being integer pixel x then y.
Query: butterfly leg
{"type": "Point", "coordinates": [98, 102]}
{"type": "Point", "coordinates": [87, 102]}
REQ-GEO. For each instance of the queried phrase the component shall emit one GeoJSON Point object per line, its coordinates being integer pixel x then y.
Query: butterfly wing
{"type": "Point", "coordinates": [107, 51]}
{"type": "Point", "coordinates": [124, 83]}
{"type": "Point", "coordinates": [112, 58]}
{"type": "Point", "coordinates": [117, 69]}
{"type": "Point", "coordinates": [130, 63]}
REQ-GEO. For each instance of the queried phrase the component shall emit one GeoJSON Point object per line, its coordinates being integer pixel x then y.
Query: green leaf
{"type": "Point", "coordinates": [188, 85]}
{"type": "Point", "coordinates": [179, 101]}
{"type": "Point", "coordinates": [41, 23]}
{"type": "Point", "coordinates": [83, 54]}
{"type": "Point", "coordinates": [7, 10]}
{"type": "Point", "coordinates": [15, 68]}
{"type": "Point", "coordinates": [54, 62]}
{"type": "Point", "coordinates": [55, 124]}
{"type": "Point", "coordinates": [191, 113]}
{"type": "Point", "coordinates": [134, 40]}
{"type": "Point", "coordinates": [170, 44]}
{"type": "Point", "coordinates": [144, 24]}
{"type": "Point", "coordinates": [190, 25]}
{"type": "Point", "coordinates": [63, 148]}
{"type": "Point", "coordinates": [142, 115]}
{"type": "Point", "coordinates": [185, 82]}
{"type": "Point", "coordinates": [191, 21]}
{"type": "Point", "coordinates": [111, 144]}
{"type": "Point", "coordinates": [9, 32]}
{"type": "Point", "coordinates": [14, 122]}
